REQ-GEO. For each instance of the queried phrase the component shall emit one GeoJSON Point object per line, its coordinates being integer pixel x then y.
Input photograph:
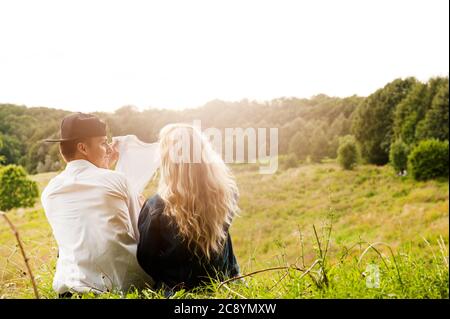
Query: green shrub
{"type": "Point", "coordinates": [398, 156]}
{"type": "Point", "coordinates": [348, 152]}
{"type": "Point", "coordinates": [16, 190]}
{"type": "Point", "coordinates": [289, 161]}
{"type": "Point", "coordinates": [429, 159]}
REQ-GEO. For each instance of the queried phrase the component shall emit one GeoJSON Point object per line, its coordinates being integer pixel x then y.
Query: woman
{"type": "Point", "coordinates": [184, 239]}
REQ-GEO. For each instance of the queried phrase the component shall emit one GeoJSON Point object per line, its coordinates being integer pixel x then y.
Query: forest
{"type": "Point", "coordinates": [404, 111]}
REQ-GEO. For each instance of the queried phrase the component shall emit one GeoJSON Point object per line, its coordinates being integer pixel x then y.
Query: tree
{"type": "Point", "coordinates": [333, 146]}
{"type": "Point", "coordinates": [2, 157]}
{"type": "Point", "coordinates": [300, 145]}
{"type": "Point", "coordinates": [16, 190]}
{"type": "Point", "coordinates": [373, 122]}
{"type": "Point", "coordinates": [435, 124]}
{"type": "Point", "coordinates": [338, 126]}
{"type": "Point", "coordinates": [319, 145]}
{"type": "Point", "coordinates": [409, 112]}
{"type": "Point", "coordinates": [11, 149]}
{"type": "Point", "coordinates": [348, 152]}
{"type": "Point", "coordinates": [398, 156]}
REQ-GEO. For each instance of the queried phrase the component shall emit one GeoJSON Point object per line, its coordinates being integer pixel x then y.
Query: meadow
{"type": "Point", "coordinates": [314, 231]}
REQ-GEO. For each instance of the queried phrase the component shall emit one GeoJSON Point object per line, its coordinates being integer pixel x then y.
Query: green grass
{"type": "Point", "coordinates": [275, 229]}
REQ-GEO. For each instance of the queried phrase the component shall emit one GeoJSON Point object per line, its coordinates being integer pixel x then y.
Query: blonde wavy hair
{"type": "Point", "coordinates": [200, 196]}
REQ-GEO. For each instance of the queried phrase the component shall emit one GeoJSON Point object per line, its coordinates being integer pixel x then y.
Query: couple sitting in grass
{"type": "Point", "coordinates": [111, 240]}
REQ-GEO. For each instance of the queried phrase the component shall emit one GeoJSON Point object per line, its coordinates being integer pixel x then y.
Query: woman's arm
{"type": "Point", "coordinates": [150, 239]}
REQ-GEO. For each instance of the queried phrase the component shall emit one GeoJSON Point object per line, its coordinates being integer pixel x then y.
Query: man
{"type": "Point", "coordinates": [93, 214]}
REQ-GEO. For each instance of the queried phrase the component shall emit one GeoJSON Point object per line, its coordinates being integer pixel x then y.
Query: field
{"type": "Point", "coordinates": [330, 233]}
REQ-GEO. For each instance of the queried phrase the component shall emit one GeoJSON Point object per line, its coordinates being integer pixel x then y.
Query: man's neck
{"type": "Point", "coordinates": [79, 157]}
{"type": "Point", "coordinates": [79, 161]}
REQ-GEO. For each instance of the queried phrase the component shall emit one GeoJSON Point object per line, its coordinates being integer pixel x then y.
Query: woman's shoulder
{"type": "Point", "coordinates": [153, 208]}
{"type": "Point", "coordinates": [154, 204]}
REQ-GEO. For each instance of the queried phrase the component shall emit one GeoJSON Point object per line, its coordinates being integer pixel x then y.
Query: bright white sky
{"type": "Point", "coordinates": [101, 55]}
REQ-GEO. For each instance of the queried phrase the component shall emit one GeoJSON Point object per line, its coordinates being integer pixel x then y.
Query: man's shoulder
{"type": "Point", "coordinates": [54, 182]}
{"type": "Point", "coordinates": [112, 178]}
{"type": "Point", "coordinates": [101, 176]}
{"type": "Point", "coordinates": [111, 174]}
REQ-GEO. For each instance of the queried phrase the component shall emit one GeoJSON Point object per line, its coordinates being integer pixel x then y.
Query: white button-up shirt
{"type": "Point", "coordinates": [93, 214]}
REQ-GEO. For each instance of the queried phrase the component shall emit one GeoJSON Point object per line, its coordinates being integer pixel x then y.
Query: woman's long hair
{"type": "Point", "coordinates": [199, 192]}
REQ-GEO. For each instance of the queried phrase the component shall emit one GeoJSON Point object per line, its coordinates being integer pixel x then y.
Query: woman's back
{"type": "Point", "coordinates": [165, 256]}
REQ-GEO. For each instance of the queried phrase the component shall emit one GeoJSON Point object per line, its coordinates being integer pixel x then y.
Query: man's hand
{"type": "Point", "coordinates": [114, 155]}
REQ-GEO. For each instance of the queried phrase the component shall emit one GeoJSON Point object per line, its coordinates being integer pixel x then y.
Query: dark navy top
{"type": "Point", "coordinates": [164, 255]}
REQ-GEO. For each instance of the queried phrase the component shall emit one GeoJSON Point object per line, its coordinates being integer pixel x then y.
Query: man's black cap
{"type": "Point", "coordinates": [80, 125]}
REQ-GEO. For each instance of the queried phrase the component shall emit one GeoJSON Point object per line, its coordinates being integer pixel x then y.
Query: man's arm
{"type": "Point", "coordinates": [114, 155]}
{"type": "Point", "coordinates": [135, 202]}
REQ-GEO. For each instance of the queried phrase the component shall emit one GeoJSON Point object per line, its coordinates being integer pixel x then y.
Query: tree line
{"type": "Point", "coordinates": [404, 110]}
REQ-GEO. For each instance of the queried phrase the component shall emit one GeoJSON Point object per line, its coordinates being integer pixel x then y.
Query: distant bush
{"type": "Point", "coordinates": [398, 156]}
{"type": "Point", "coordinates": [289, 161]}
{"type": "Point", "coordinates": [16, 190]}
{"type": "Point", "coordinates": [429, 159]}
{"type": "Point", "coordinates": [348, 152]}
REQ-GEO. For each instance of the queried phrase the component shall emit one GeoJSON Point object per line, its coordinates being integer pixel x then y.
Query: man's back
{"type": "Point", "coordinates": [93, 217]}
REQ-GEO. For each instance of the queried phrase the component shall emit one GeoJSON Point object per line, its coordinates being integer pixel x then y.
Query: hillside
{"type": "Point", "coordinates": [370, 204]}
